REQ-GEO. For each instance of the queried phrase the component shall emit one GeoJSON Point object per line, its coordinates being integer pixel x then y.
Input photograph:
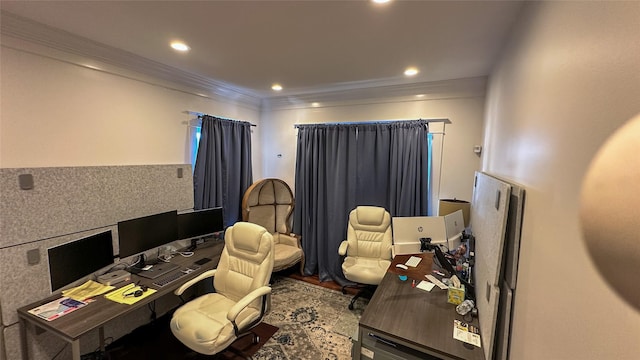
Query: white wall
{"type": "Point", "coordinates": [459, 161]}
{"type": "Point", "coordinates": [56, 113]}
{"type": "Point", "coordinates": [568, 78]}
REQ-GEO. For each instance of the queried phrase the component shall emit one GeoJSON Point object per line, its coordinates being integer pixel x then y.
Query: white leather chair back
{"type": "Point", "coordinates": [369, 233]}
{"type": "Point", "coordinates": [246, 261]}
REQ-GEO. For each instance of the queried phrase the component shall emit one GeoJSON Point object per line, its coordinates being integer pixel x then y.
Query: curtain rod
{"type": "Point", "coordinates": [442, 120]}
{"type": "Point", "coordinates": [200, 114]}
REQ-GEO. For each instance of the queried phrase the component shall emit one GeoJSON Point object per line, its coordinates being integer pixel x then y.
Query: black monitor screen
{"type": "Point", "coordinates": [200, 223]}
{"type": "Point", "coordinates": [75, 260]}
{"type": "Point", "coordinates": [138, 235]}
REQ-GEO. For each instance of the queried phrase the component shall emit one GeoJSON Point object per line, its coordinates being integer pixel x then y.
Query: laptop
{"type": "Point", "coordinates": [454, 224]}
{"type": "Point", "coordinates": [158, 270]}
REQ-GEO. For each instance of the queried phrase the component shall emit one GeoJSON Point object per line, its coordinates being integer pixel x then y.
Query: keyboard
{"type": "Point", "coordinates": [169, 278]}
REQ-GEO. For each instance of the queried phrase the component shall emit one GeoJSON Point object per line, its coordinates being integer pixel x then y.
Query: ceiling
{"type": "Point", "coordinates": [307, 46]}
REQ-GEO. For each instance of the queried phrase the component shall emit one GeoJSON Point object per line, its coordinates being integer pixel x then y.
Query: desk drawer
{"type": "Point", "coordinates": [381, 347]}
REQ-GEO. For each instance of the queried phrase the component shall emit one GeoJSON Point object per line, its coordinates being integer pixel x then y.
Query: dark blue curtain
{"type": "Point", "coordinates": [341, 166]}
{"type": "Point", "coordinates": [223, 166]}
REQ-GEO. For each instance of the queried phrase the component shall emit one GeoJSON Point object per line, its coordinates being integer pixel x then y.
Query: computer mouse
{"type": "Point", "coordinates": [402, 266]}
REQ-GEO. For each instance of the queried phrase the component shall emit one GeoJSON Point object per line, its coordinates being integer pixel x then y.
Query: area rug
{"type": "Point", "coordinates": [313, 322]}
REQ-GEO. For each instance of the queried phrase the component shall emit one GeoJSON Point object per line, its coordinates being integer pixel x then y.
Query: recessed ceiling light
{"type": "Point", "coordinates": [411, 71]}
{"type": "Point", "coordinates": [420, 95]}
{"type": "Point", "coordinates": [315, 104]}
{"type": "Point", "coordinates": [180, 46]}
{"type": "Point", "coordinates": [276, 87]}
{"type": "Point", "coordinates": [380, 1]}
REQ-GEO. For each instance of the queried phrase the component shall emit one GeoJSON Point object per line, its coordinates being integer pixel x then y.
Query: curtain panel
{"type": "Point", "coordinates": [223, 169]}
{"type": "Point", "coordinates": [341, 166]}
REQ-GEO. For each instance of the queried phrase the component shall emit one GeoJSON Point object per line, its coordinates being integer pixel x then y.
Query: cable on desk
{"type": "Point", "coordinates": [168, 257]}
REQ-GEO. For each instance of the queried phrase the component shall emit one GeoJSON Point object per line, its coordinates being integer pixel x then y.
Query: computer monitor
{"type": "Point", "coordinates": [454, 224]}
{"type": "Point", "coordinates": [135, 236]}
{"type": "Point", "coordinates": [199, 223]}
{"type": "Point", "coordinates": [408, 230]}
{"type": "Point", "coordinates": [74, 260]}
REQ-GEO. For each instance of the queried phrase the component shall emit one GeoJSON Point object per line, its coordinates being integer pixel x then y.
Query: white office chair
{"type": "Point", "coordinates": [367, 248]}
{"type": "Point", "coordinates": [211, 322]}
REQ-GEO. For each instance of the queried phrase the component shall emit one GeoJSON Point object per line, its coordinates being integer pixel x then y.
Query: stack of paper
{"type": "Point", "coordinates": [87, 290]}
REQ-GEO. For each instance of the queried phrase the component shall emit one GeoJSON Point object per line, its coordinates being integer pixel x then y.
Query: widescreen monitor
{"type": "Point", "coordinates": [408, 230]}
{"type": "Point", "coordinates": [72, 261]}
{"type": "Point", "coordinates": [200, 223]}
{"type": "Point", "coordinates": [135, 236]}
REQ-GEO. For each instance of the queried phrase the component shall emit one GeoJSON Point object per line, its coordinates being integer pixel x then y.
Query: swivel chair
{"type": "Point", "coordinates": [367, 248]}
{"type": "Point", "coordinates": [269, 203]}
{"type": "Point", "coordinates": [211, 322]}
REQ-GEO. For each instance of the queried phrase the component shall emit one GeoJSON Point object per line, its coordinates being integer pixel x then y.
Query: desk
{"type": "Point", "coordinates": [71, 327]}
{"type": "Point", "coordinates": [402, 322]}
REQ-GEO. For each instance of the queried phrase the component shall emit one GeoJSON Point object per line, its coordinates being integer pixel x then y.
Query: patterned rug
{"type": "Point", "coordinates": [314, 322]}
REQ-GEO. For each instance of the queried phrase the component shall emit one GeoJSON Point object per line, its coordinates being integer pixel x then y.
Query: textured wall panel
{"type": "Point", "coordinates": [3, 355]}
{"type": "Point", "coordinates": [66, 204]}
{"type": "Point", "coordinates": [11, 339]}
{"type": "Point", "coordinates": [514, 229]}
{"type": "Point", "coordinates": [489, 210]}
{"type": "Point", "coordinates": [28, 283]}
{"type": "Point", "coordinates": [69, 200]}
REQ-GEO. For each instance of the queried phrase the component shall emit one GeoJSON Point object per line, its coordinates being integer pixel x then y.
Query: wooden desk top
{"type": "Point", "coordinates": [417, 317]}
{"type": "Point", "coordinates": [97, 313]}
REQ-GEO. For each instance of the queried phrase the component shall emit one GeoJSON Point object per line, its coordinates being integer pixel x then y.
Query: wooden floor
{"type": "Point", "coordinates": [315, 280]}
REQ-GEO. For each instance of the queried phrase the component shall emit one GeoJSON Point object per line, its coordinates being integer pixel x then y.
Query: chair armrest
{"type": "Point", "coordinates": [188, 284]}
{"type": "Point", "coordinates": [342, 250]}
{"type": "Point", "coordinates": [245, 301]}
{"type": "Point", "coordinates": [292, 240]}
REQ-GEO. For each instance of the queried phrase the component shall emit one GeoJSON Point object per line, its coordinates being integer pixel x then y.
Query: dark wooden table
{"type": "Point", "coordinates": [96, 314]}
{"type": "Point", "coordinates": [414, 318]}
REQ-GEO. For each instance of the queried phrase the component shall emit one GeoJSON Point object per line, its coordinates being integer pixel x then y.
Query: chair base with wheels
{"type": "Point", "coordinates": [364, 291]}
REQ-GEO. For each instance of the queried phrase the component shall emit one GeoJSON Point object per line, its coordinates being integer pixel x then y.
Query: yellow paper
{"type": "Point", "coordinates": [87, 290]}
{"type": "Point", "coordinates": [119, 294]}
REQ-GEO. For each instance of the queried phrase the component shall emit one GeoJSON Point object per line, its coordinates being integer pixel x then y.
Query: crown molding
{"type": "Point", "coordinates": [67, 43]}
{"type": "Point", "coordinates": [433, 90]}
{"type": "Point", "coordinates": [52, 42]}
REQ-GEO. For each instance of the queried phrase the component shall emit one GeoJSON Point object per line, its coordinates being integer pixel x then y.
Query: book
{"type": "Point", "coordinates": [57, 308]}
{"type": "Point", "coordinates": [466, 333]}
